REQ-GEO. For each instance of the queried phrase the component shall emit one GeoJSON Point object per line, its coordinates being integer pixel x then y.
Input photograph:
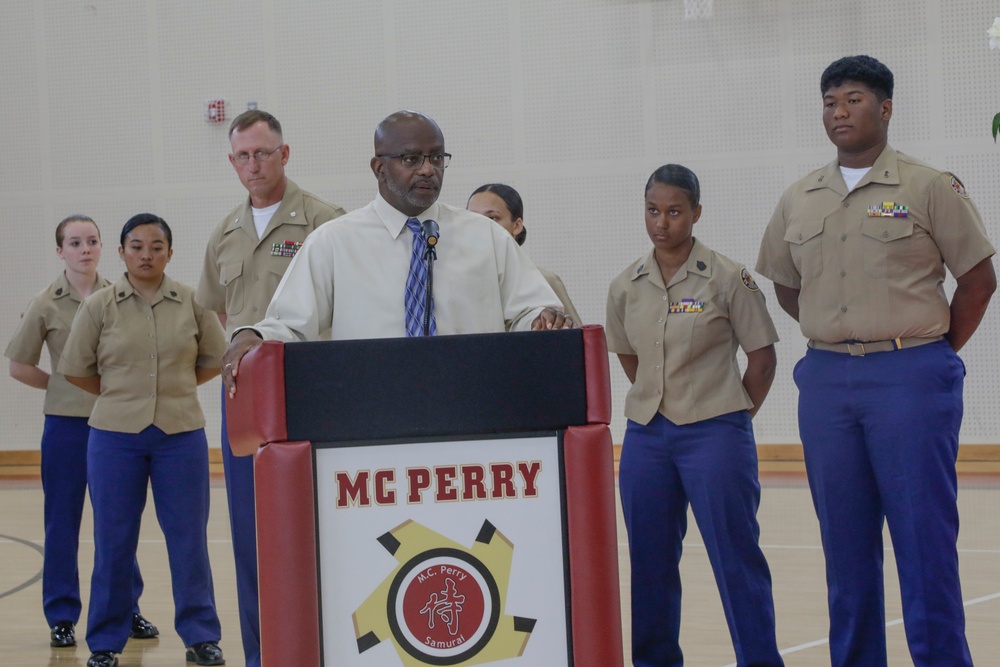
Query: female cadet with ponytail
{"type": "Point", "coordinates": [64, 435]}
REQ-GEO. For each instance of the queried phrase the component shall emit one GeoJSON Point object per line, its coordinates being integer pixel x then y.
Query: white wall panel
{"type": "Point", "coordinates": [573, 102]}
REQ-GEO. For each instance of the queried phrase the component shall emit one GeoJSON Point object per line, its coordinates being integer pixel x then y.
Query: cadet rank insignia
{"type": "Point", "coordinates": [888, 209]}
{"type": "Point", "coordinates": [444, 603]}
{"type": "Point", "coordinates": [686, 306]}
{"type": "Point", "coordinates": [958, 187]}
{"type": "Point", "coordinates": [748, 281]}
{"type": "Point", "coordinates": [286, 249]}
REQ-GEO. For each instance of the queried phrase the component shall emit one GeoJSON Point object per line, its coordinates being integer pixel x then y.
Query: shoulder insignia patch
{"type": "Point", "coordinates": [958, 187]}
{"type": "Point", "coordinates": [748, 281]}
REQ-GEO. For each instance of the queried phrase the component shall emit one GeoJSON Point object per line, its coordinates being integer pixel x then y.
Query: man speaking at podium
{"type": "Point", "coordinates": [368, 274]}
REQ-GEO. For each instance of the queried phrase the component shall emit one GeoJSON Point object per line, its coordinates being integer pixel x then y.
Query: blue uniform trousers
{"type": "Point", "coordinates": [880, 436]}
{"type": "Point", "coordinates": [64, 484]}
{"type": "Point", "coordinates": [120, 466]}
{"type": "Point", "coordinates": [712, 465]}
{"type": "Point", "coordinates": [243, 523]}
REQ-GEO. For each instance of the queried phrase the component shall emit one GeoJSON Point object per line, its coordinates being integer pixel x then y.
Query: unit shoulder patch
{"type": "Point", "coordinates": [959, 187]}
{"type": "Point", "coordinates": [748, 280]}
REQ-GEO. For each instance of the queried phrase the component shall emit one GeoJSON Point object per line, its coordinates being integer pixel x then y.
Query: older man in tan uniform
{"type": "Point", "coordinates": [247, 256]}
{"type": "Point", "coordinates": [857, 251]}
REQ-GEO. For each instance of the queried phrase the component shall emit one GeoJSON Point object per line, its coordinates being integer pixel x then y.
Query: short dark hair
{"type": "Point", "coordinates": [77, 217]}
{"type": "Point", "coordinates": [863, 69]}
{"type": "Point", "coordinates": [251, 116]}
{"type": "Point", "coordinates": [513, 201]}
{"type": "Point", "coordinates": [147, 219]}
{"type": "Point", "coordinates": [678, 176]}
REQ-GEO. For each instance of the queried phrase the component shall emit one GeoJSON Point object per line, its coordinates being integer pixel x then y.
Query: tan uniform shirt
{"type": "Point", "coordinates": [146, 355]}
{"type": "Point", "coordinates": [47, 321]}
{"type": "Point", "coordinates": [242, 271]}
{"type": "Point", "coordinates": [686, 335]}
{"type": "Point", "coordinates": [556, 283]}
{"type": "Point", "coordinates": [870, 264]}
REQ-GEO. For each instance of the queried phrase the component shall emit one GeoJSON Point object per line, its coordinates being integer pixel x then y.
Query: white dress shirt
{"type": "Point", "coordinates": [349, 278]}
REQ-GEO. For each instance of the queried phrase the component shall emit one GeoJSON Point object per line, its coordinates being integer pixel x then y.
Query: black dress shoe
{"type": "Point", "coordinates": [205, 653]}
{"type": "Point", "coordinates": [63, 635]}
{"type": "Point", "coordinates": [102, 659]}
{"type": "Point", "coordinates": [142, 629]}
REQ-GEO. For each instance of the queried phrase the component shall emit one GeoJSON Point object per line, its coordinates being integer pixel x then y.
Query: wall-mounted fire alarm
{"type": "Point", "coordinates": [215, 111]}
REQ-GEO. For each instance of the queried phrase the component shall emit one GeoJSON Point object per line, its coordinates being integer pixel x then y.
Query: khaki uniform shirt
{"type": "Point", "coordinates": [146, 355]}
{"type": "Point", "coordinates": [242, 271]}
{"type": "Point", "coordinates": [870, 264]}
{"type": "Point", "coordinates": [686, 335]}
{"type": "Point", "coordinates": [556, 283]}
{"type": "Point", "coordinates": [47, 321]}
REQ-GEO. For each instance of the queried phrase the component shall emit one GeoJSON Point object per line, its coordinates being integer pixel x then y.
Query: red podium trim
{"type": "Point", "coordinates": [286, 554]}
{"type": "Point", "coordinates": [256, 415]}
{"type": "Point", "coordinates": [593, 546]}
{"type": "Point", "coordinates": [598, 374]}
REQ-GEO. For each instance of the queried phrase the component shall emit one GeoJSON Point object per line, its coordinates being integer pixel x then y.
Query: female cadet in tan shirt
{"type": "Point", "coordinates": [675, 318]}
{"type": "Point", "coordinates": [143, 345]}
{"type": "Point", "coordinates": [502, 204]}
{"type": "Point", "coordinates": [64, 436]}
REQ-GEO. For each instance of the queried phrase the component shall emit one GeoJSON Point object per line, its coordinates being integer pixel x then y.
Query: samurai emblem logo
{"type": "Point", "coordinates": [444, 604]}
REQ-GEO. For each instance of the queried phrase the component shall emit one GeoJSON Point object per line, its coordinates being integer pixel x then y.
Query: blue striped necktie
{"type": "Point", "coordinates": [416, 286]}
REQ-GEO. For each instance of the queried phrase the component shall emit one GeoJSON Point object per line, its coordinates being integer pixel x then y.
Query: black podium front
{"type": "Point", "coordinates": [434, 501]}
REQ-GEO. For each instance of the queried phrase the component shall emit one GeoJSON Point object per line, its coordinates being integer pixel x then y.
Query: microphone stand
{"type": "Point", "coordinates": [429, 230]}
{"type": "Point", "coordinates": [429, 255]}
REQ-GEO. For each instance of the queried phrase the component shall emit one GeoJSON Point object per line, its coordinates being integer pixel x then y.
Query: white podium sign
{"type": "Point", "coordinates": [442, 553]}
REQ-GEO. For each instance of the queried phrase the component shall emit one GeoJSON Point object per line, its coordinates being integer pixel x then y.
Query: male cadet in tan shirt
{"type": "Point", "coordinates": [246, 257]}
{"type": "Point", "coordinates": [857, 251]}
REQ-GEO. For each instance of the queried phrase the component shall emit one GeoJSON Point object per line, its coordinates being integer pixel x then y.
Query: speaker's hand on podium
{"type": "Point", "coordinates": [243, 342]}
{"type": "Point", "coordinates": [552, 319]}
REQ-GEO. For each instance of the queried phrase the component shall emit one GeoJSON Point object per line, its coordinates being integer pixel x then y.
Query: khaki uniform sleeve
{"type": "Point", "coordinates": [211, 338]}
{"type": "Point", "coordinates": [26, 345]}
{"type": "Point", "coordinates": [748, 314]}
{"type": "Point", "coordinates": [775, 258]}
{"type": "Point", "coordinates": [957, 226]}
{"type": "Point", "coordinates": [79, 357]}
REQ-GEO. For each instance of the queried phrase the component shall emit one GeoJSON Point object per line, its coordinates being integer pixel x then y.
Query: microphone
{"type": "Point", "coordinates": [430, 231]}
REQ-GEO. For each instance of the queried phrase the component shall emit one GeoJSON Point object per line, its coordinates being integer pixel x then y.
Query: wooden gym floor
{"type": "Point", "coordinates": [789, 536]}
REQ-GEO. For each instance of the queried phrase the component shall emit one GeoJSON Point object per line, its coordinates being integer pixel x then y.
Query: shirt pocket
{"type": "Point", "coordinates": [230, 276]}
{"type": "Point", "coordinates": [805, 240]}
{"type": "Point", "coordinates": [887, 246]}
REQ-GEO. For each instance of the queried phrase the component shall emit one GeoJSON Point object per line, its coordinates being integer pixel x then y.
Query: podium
{"type": "Point", "coordinates": [433, 501]}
